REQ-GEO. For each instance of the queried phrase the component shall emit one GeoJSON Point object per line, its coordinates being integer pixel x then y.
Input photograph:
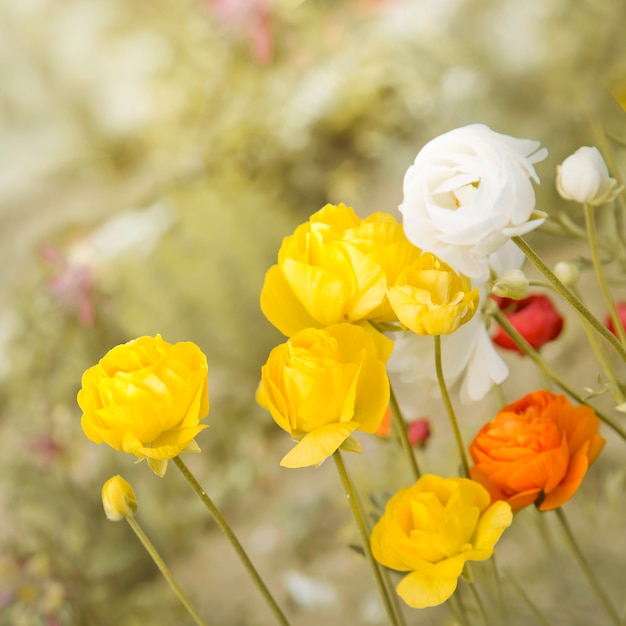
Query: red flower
{"type": "Point", "coordinates": [621, 313]}
{"type": "Point", "coordinates": [534, 317]}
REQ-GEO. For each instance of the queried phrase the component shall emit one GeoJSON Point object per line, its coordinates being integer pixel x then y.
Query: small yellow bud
{"type": "Point", "coordinates": [513, 284]}
{"type": "Point", "coordinates": [118, 499]}
{"type": "Point", "coordinates": [567, 272]}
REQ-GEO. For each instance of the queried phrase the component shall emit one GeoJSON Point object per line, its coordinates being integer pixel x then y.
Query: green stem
{"type": "Point", "coordinates": [479, 602]}
{"type": "Point", "coordinates": [584, 566]}
{"type": "Point", "coordinates": [605, 363]}
{"type": "Point", "coordinates": [226, 529]}
{"type": "Point", "coordinates": [404, 436]}
{"type": "Point", "coordinates": [500, 597]}
{"type": "Point", "coordinates": [528, 601]}
{"type": "Point", "coordinates": [531, 353]}
{"type": "Point", "coordinates": [569, 296]}
{"type": "Point", "coordinates": [448, 405]}
{"type": "Point", "coordinates": [597, 266]}
{"type": "Point", "coordinates": [155, 556]}
{"type": "Point", "coordinates": [394, 614]}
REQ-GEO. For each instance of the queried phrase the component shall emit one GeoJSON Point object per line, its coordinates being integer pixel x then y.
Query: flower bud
{"type": "Point", "coordinates": [513, 284]}
{"type": "Point", "coordinates": [418, 431]}
{"type": "Point", "coordinates": [118, 499]}
{"type": "Point", "coordinates": [567, 272]}
{"type": "Point", "coordinates": [584, 177]}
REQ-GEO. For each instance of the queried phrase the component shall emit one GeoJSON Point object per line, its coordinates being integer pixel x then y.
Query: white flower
{"type": "Point", "coordinates": [584, 177]}
{"type": "Point", "coordinates": [468, 193]}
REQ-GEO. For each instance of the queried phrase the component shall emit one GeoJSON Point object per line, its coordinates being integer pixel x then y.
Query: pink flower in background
{"type": "Point", "coordinates": [253, 19]}
{"type": "Point", "coordinates": [72, 284]}
{"type": "Point", "coordinates": [419, 432]}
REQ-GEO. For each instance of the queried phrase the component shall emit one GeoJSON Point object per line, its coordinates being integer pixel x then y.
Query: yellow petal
{"type": "Point", "coordinates": [492, 524]}
{"type": "Point", "coordinates": [318, 445]}
{"type": "Point", "coordinates": [323, 294]}
{"type": "Point", "coordinates": [419, 590]}
{"type": "Point", "coordinates": [281, 306]}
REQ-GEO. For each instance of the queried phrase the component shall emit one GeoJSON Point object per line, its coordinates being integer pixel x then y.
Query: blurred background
{"type": "Point", "coordinates": [152, 157]}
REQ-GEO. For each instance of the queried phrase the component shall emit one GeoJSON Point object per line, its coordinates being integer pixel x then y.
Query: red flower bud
{"type": "Point", "coordinates": [621, 313]}
{"type": "Point", "coordinates": [419, 432]}
{"type": "Point", "coordinates": [534, 317]}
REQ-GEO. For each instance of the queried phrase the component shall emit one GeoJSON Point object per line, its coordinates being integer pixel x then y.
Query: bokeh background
{"type": "Point", "coordinates": [152, 157]}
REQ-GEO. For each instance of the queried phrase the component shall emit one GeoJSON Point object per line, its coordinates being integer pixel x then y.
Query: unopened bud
{"type": "Point", "coordinates": [584, 177]}
{"type": "Point", "coordinates": [118, 499]}
{"type": "Point", "coordinates": [567, 272]}
{"type": "Point", "coordinates": [513, 284]}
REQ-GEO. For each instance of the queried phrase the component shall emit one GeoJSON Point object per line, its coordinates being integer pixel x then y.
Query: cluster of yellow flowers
{"type": "Point", "coordinates": [339, 268]}
{"type": "Point", "coordinates": [341, 283]}
{"type": "Point", "coordinates": [337, 278]}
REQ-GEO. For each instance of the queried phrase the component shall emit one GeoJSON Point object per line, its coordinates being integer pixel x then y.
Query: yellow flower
{"type": "Point", "coordinates": [146, 398]}
{"type": "Point", "coordinates": [335, 268]}
{"type": "Point", "coordinates": [430, 298]}
{"type": "Point", "coordinates": [431, 529]}
{"type": "Point", "coordinates": [322, 385]}
{"type": "Point", "coordinates": [118, 499]}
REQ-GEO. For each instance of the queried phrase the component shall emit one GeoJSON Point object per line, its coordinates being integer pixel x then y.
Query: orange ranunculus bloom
{"type": "Point", "coordinates": [536, 450]}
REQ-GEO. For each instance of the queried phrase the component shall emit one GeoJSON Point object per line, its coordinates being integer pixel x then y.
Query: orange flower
{"type": "Point", "coordinates": [536, 450]}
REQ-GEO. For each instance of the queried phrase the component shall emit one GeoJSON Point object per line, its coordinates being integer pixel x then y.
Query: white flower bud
{"type": "Point", "coordinates": [584, 177]}
{"type": "Point", "coordinates": [567, 273]}
{"type": "Point", "coordinates": [513, 284]}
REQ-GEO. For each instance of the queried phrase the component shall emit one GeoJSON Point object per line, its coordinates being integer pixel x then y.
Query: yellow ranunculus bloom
{"type": "Point", "coordinates": [335, 268]}
{"type": "Point", "coordinates": [147, 397]}
{"type": "Point", "coordinates": [322, 385]}
{"type": "Point", "coordinates": [118, 499]}
{"type": "Point", "coordinates": [430, 298]}
{"type": "Point", "coordinates": [431, 529]}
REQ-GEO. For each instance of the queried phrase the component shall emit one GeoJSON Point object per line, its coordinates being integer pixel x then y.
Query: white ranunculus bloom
{"type": "Point", "coordinates": [468, 192]}
{"type": "Point", "coordinates": [584, 177]}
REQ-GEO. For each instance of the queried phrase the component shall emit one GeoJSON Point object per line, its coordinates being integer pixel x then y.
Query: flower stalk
{"type": "Point", "coordinates": [392, 609]}
{"type": "Point", "coordinates": [227, 530]}
{"type": "Point", "coordinates": [155, 556]}
{"type": "Point", "coordinates": [449, 408]}
{"type": "Point", "coordinates": [586, 569]}
{"type": "Point", "coordinates": [403, 434]}
{"type": "Point", "coordinates": [531, 353]}
{"type": "Point", "coordinates": [562, 290]}
{"type": "Point", "coordinates": [597, 266]}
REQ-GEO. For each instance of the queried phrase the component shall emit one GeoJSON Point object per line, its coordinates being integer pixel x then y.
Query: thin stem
{"type": "Point", "coordinates": [597, 266]}
{"type": "Point", "coordinates": [468, 577]}
{"type": "Point", "coordinates": [462, 608]}
{"type": "Point", "coordinates": [404, 436]}
{"type": "Point", "coordinates": [496, 577]}
{"type": "Point", "coordinates": [394, 616]}
{"type": "Point", "coordinates": [569, 296]}
{"type": "Point", "coordinates": [448, 405]}
{"type": "Point", "coordinates": [584, 566]}
{"type": "Point", "coordinates": [537, 613]}
{"type": "Point", "coordinates": [598, 349]}
{"type": "Point", "coordinates": [605, 363]}
{"type": "Point", "coordinates": [156, 557]}
{"type": "Point", "coordinates": [226, 529]}
{"type": "Point", "coordinates": [531, 353]}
